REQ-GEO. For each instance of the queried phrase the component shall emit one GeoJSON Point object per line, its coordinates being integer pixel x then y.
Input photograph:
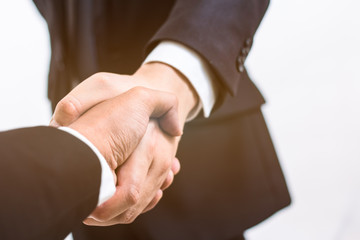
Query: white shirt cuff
{"type": "Point", "coordinates": [107, 185]}
{"type": "Point", "coordinates": [193, 67]}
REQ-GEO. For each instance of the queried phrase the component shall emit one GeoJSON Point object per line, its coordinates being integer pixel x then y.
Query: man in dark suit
{"type": "Point", "coordinates": [231, 178]}
{"type": "Point", "coordinates": [51, 178]}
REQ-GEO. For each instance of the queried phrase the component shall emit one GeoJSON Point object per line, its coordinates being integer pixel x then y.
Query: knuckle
{"type": "Point", "coordinates": [138, 90]}
{"type": "Point", "coordinates": [129, 216]}
{"type": "Point", "coordinates": [165, 166]}
{"type": "Point", "coordinates": [162, 170]}
{"type": "Point", "coordinates": [141, 91]}
{"type": "Point", "coordinates": [102, 78]}
{"type": "Point", "coordinates": [166, 183]}
{"type": "Point", "coordinates": [67, 108]}
{"type": "Point", "coordinates": [100, 75]}
{"type": "Point", "coordinates": [170, 177]}
{"type": "Point", "coordinates": [133, 195]}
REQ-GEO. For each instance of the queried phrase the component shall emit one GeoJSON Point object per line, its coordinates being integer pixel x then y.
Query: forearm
{"type": "Point", "coordinates": [218, 31]}
{"type": "Point", "coordinates": [40, 183]}
{"type": "Point", "coordinates": [194, 68]}
{"type": "Point", "coordinates": [108, 179]}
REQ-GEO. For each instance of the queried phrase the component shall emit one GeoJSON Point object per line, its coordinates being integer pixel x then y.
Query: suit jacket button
{"type": "Point", "coordinates": [241, 68]}
{"type": "Point", "coordinates": [244, 51]}
{"type": "Point", "coordinates": [241, 59]}
{"type": "Point", "coordinates": [248, 41]}
{"type": "Point", "coordinates": [240, 63]}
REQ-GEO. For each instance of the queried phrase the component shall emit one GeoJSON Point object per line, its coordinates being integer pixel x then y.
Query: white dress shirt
{"type": "Point", "coordinates": [107, 185]}
{"type": "Point", "coordinates": [193, 67]}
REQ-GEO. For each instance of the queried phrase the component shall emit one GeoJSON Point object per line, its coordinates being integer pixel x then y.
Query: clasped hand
{"type": "Point", "coordinates": [137, 129]}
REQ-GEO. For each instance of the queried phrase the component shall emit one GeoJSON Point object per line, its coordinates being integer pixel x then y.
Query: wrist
{"type": "Point", "coordinates": [163, 77]}
{"type": "Point", "coordinates": [89, 130]}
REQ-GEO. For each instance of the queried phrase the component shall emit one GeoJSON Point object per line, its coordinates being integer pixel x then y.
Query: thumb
{"type": "Point", "coordinates": [66, 111]}
{"type": "Point", "coordinates": [161, 105]}
{"type": "Point", "coordinates": [94, 90]}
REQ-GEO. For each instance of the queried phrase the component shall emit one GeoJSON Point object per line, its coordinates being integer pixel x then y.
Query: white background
{"type": "Point", "coordinates": [305, 60]}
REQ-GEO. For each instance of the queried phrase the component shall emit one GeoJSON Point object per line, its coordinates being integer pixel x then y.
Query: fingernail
{"type": "Point", "coordinates": [53, 123]}
{"type": "Point", "coordinates": [86, 221]}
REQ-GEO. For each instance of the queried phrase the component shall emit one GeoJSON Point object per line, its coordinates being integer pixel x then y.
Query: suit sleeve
{"type": "Point", "coordinates": [49, 182]}
{"type": "Point", "coordinates": [220, 31]}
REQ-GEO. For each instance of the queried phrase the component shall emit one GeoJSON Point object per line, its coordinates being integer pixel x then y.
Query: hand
{"type": "Point", "coordinates": [120, 128]}
{"type": "Point", "coordinates": [102, 86]}
{"type": "Point", "coordinates": [105, 85]}
{"type": "Point", "coordinates": [141, 176]}
{"type": "Point", "coordinates": [116, 126]}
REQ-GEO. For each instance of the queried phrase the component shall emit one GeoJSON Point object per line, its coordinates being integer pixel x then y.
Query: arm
{"type": "Point", "coordinates": [40, 183]}
{"type": "Point", "coordinates": [50, 179]}
{"type": "Point", "coordinates": [219, 31]}
{"type": "Point", "coordinates": [105, 85]}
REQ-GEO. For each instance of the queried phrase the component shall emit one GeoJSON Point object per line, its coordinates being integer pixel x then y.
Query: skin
{"type": "Point", "coordinates": [143, 172]}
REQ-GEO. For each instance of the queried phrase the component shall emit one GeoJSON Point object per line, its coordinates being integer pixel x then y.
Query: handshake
{"type": "Point", "coordinates": [135, 122]}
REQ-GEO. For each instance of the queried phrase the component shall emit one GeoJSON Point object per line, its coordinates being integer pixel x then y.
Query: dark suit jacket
{"type": "Point", "coordinates": [230, 178]}
{"type": "Point", "coordinates": [49, 182]}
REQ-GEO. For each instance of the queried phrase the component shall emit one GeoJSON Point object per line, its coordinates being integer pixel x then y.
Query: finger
{"type": "Point", "coordinates": [175, 167]}
{"type": "Point", "coordinates": [154, 202]}
{"type": "Point", "coordinates": [92, 222]}
{"type": "Point", "coordinates": [169, 179]}
{"type": "Point", "coordinates": [160, 171]}
{"type": "Point", "coordinates": [161, 105]}
{"type": "Point", "coordinates": [94, 90]}
{"type": "Point", "coordinates": [126, 196]}
{"type": "Point", "coordinates": [123, 199]}
{"type": "Point", "coordinates": [155, 176]}
{"type": "Point", "coordinates": [66, 111]}
{"type": "Point", "coordinates": [129, 192]}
